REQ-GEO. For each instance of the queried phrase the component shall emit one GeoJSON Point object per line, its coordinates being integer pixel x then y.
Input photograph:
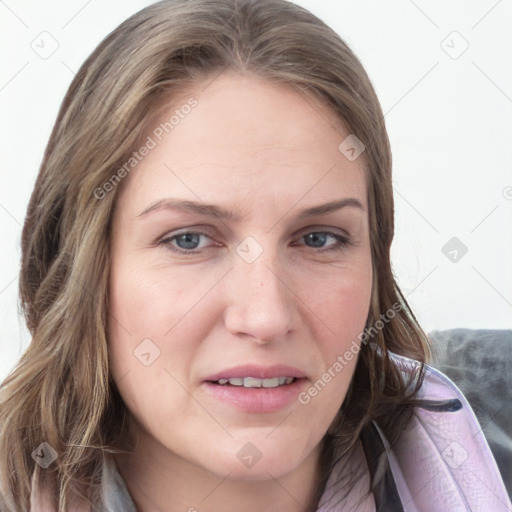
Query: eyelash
{"type": "Point", "coordinates": [342, 241]}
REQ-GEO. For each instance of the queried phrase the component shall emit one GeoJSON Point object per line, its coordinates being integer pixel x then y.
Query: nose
{"type": "Point", "coordinates": [261, 303]}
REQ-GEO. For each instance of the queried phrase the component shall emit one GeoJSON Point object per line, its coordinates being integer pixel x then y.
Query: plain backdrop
{"type": "Point", "coordinates": [443, 73]}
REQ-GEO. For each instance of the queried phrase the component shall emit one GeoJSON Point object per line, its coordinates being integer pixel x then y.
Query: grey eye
{"type": "Point", "coordinates": [187, 240]}
{"type": "Point", "coordinates": [317, 239]}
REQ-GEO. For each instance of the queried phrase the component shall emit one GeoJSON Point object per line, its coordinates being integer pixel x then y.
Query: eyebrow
{"type": "Point", "coordinates": [211, 210]}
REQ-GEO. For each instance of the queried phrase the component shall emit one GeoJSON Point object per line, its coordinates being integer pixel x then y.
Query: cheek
{"type": "Point", "coordinates": [137, 298]}
{"type": "Point", "coordinates": [340, 314]}
{"type": "Point", "coordinates": [150, 356]}
{"type": "Point", "coordinates": [343, 303]}
{"type": "Point", "coordinates": [157, 321]}
{"type": "Point", "coordinates": [145, 303]}
{"type": "Point", "coordinates": [141, 313]}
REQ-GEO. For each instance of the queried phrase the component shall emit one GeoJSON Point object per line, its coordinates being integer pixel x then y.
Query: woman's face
{"type": "Point", "coordinates": [251, 278]}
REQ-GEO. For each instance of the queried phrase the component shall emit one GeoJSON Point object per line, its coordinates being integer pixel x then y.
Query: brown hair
{"type": "Point", "coordinates": [61, 392]}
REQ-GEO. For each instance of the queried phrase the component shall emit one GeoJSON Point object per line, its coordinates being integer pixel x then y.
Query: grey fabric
{"type": "Point", "coordinates": [480, 363]}
{"type": "Point", "coordinates": [115, 495]}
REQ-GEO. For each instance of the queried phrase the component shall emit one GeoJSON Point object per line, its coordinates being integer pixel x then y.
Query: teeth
{"type": "Point", "coordinates": [270, 383]}
{"type": "Point", "coordinates": [251, 382]}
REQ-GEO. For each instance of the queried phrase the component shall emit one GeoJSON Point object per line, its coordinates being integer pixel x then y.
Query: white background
{"type": "Point", "coordinates": [449, 121]}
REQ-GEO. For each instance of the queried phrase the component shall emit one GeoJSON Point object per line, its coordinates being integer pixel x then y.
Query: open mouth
{"type": "Point", "coordinates": [251, 382]}
{"type": "Point", "coordinates": [250, 394]}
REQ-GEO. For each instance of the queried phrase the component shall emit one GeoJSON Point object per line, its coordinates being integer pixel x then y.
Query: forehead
{"type": "Point", "coordinates": [242, 138]}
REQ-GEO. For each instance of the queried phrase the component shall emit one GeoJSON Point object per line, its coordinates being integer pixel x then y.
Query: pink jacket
{"type": "Point", "coordinates": [441, 463]}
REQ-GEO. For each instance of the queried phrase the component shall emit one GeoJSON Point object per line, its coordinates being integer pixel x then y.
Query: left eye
{"type": "Point", "coordinates": [318, 239]}
{"type": "Point", "coordinates": [188, 242]}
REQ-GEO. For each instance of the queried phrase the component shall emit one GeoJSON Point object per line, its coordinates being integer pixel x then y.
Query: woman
{"type": "Point", "coordinates": [206, 277]}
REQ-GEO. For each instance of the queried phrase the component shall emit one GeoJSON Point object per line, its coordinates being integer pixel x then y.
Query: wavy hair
{"type": "Point", "coordinates": [61, 391]}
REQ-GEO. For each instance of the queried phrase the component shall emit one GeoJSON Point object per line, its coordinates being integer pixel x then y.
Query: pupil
{"type": "Point", "coordinates": [317, 237]}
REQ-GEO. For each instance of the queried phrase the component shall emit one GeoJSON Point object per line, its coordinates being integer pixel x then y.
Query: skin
{"type": "Point", "coordinates": [264, 151]}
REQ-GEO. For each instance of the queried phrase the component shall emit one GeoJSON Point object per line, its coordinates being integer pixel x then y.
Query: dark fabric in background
{"type": "Point", "coordinates": [479, 362]}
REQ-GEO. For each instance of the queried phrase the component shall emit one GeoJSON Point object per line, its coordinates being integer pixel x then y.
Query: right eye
{"type": "Point", "coordinates": [186, 242]}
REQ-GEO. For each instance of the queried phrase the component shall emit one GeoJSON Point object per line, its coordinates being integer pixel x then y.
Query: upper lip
{"type": "Point", "coordinates": [257, 372]}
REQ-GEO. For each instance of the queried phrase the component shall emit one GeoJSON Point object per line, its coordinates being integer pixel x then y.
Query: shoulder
{"type": "Point", "coordinates": [443, 454]}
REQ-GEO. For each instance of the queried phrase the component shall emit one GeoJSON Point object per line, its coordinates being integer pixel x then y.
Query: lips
{"type": "Point", "coordinates": [252, 388]}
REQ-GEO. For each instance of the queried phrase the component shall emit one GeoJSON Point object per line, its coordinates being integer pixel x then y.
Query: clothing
{"type": "Point", "coordinates": [440, 463]}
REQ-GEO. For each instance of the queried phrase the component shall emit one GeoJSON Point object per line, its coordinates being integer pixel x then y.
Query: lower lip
{"type": "Point", "coordinates": [256, 399]}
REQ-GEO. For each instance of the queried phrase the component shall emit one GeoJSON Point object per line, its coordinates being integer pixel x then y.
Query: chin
{"type": "Point", "coordinates": [261, 471]}
{"type": "Point", "coordinates": [256, 459]}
